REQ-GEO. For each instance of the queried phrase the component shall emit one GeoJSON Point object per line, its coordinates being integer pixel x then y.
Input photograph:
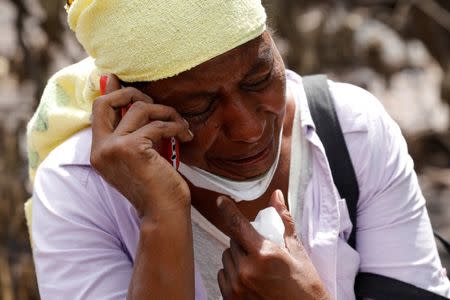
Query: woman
{"type": "Point", "coordinates": [130, 225]}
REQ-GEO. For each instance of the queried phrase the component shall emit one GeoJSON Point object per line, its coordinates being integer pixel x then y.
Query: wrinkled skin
{"type": "Point", "coordinates": [123, 152]}
{"type": "Point", "coordinates": [235, 104]}
{"type": "Point", "coordinates": [256, 268]}
{"type": "Point", "coordinates": [222, 112]}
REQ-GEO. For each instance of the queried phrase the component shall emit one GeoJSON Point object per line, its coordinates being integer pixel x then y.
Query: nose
{"type": "Point", "coordinates": [242, 123]}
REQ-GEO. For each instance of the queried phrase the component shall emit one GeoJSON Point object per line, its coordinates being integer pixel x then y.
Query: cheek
{"type": "Point", "coordinates": [193, 153]}
{"type": "Point", "coordinates": [274, 99]}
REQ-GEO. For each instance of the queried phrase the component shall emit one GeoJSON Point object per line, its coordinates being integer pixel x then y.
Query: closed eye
{"type": "Point", "coordinates": [258, 84]}
{"type": "Point", "coordinates": [202, 115]}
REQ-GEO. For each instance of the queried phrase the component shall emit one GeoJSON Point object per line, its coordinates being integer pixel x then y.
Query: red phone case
{"type": "Point", "coordinates": [169, 148]}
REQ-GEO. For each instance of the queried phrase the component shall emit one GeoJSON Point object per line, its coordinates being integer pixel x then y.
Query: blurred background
{"type": "Point", "coordinates": [398, 50]}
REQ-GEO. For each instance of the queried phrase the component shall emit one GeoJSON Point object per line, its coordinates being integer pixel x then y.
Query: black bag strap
{"type": "Point", "coordinates": [378, 287]}
{"type": "Point", "coordinates": [329, 130]}
{"type": "Point", "coordinates": [443, 241]}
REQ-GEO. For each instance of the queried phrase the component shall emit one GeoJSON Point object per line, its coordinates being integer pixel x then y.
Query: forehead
{"type": "Point", "coordinates": [232, 65]}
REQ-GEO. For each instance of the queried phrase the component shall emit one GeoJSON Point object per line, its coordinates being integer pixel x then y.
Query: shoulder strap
{"type": "Point", "coordinates": [378, 287]}
{"type": "Point", "coordinates": [367, 285]}
{"type": "Point", "coordinates": [329, 130]}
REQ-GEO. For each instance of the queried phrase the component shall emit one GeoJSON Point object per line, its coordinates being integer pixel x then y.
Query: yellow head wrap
{"type": "Point", "coordinates": [138, 40]}
{"type": "Point", "coordinates": [149, 40]}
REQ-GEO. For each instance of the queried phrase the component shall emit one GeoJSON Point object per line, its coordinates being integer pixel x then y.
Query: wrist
{"type": "Point", "coordinates": [159, 208]}
{"type": "Point", "coordinates": [174, 227]}
{"type": "Point", "coordinates": [153, 218]}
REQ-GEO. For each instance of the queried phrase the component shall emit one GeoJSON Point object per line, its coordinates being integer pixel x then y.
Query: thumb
{"type": "Point", "coordinates": [278, 202]}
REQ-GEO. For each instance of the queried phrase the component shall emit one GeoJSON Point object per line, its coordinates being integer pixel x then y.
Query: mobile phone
{"type": "Point", "coordinates": [168, 147]}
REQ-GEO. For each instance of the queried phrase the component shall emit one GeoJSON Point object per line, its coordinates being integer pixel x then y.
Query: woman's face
{"type": "Point", "coordinates": [235, 105]}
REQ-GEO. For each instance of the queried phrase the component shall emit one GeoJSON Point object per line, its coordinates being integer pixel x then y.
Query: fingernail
{"type": "Point", "coordinates": [219, 201]}
{"type": "Point", "coordinates": [280, 195]}
{"type": "Point", "coordinates": [190, 133]}
{"type": "Point", "coordinates": [186, 122]}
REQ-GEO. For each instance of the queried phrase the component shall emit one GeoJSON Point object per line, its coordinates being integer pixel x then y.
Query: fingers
{"type": "Point", "coordinates": [229, 265]}
{"type": "Point", "coordinates": [157, 130]}
{"type": "Point", "coordinates": [290, 233]}
{"type": "Point", "coordinates": [237, 253]}
{"type": "Point", "coordinates": [224, 286]}
{"type": "Point", "coordinates": [122, 97]}
{"type": "Point", "coordinates": [141, 113]}
{"type": "Point", "coordinates": [105, 114]}
{"type": "Point", "coordinates": [230, 281]}
{"type": "Point", "coordinates": [238, 227]}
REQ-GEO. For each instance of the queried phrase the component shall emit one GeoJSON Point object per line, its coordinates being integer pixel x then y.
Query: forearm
{"type": "Point", "coordinates": [164, 266]}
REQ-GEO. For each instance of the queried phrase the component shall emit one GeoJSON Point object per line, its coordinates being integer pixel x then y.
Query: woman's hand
{"type": "Point", "coordinates": [256, 268]}
{"type": "Point", "coordinates": [123, 149]}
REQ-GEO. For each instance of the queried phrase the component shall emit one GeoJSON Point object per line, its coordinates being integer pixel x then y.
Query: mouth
{"type": "Point", "coordinates": [253, 158]}
{"type": "Point", "coordinates": [250, 162]}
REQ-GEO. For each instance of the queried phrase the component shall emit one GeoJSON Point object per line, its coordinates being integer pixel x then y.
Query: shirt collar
{"type": "Point", "coordinates": [306, 121]}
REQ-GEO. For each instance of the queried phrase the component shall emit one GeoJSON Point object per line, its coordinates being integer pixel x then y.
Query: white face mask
{"type": "Point", "coordinates": [238, 190]}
